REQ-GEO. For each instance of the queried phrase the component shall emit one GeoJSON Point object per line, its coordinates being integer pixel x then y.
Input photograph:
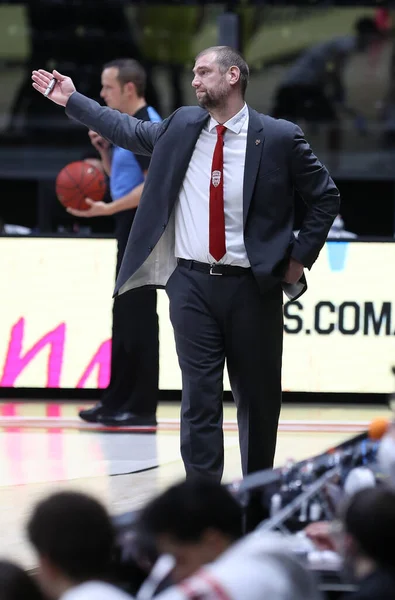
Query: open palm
{"type": "Point", "coordinates": [63, 89]}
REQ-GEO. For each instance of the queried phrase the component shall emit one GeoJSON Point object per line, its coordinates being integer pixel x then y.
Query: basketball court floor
{"type": "Point", "coordinates": [44, 447]}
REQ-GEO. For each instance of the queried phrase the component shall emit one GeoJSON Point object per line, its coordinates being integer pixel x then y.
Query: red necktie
{"type": "Point", "coordinates": [217, 246]}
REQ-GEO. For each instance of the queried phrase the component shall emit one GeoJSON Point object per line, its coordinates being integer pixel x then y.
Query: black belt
{"type": "Point", "coordinates": [213, 269]}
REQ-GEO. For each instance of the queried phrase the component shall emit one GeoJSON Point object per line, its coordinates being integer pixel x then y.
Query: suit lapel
{"type": "Point", "coordinates": [193, 131]}
{"type": "Point", "coordinates": [255, 142]}
{"type": "Point", "coordinates": [186, 143]}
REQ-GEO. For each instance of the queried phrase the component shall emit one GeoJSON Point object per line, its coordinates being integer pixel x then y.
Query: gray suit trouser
{"type": "Point", "coordinates": [217, 318]}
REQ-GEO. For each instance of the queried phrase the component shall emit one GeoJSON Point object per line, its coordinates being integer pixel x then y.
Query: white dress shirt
{"type": "Point", "coordinates": [95, 590]}
{"type": "Point", "coordinates": [192, 209]}
{"type": "Point", "coordinates": [261, 565]}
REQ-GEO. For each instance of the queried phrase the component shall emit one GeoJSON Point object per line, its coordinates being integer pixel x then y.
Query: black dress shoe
{"type": "Point", "coordinates": [122, 419]}
{"type": "Point", "coordinates": [91, 415]}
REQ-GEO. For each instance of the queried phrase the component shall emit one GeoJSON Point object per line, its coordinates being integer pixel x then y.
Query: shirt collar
{"type": "Point", "coordinates": [235, 124]}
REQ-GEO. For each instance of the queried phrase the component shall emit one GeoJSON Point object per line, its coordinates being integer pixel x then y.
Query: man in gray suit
{"type": "Point", "coordinates": [214, 227]}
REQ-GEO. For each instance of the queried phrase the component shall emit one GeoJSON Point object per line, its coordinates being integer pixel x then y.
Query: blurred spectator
{"type": "Point", "coordinates": [386, 453]}
{"type": "Point", "coordinates": [386, 108]}
{"type": "Point", "coordinates": [259, 567]}
{"type": "Point", "coordinates": [313, 88]}
{"type": "Point", "coordinates": [383, 19]}
{"type": "Point", "coordinates": [194, 521]}
{"type": "Point", "coordinates": [74, 538]}
{"type": "Point", "coordinates": [6, 229]}
{"type": "Point", "coordinates": [365, 537]}
{"type": "Point", "coordinates": [369, 542]}
{"type": "Point", "coordinates": [16, 584]}
{"type": "Point", "coordinates": [337, 230]}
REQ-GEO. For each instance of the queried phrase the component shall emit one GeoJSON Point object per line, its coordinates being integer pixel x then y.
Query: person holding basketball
{"type": "Point", "coordinates": [132, 394]}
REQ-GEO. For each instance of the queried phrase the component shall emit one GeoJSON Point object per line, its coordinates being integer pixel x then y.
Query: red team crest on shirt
{"type": "Point", "coordinates": [216, 178]}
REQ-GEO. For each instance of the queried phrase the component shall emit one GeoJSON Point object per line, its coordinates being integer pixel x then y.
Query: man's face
{"type": "Point", "coordinates": [190, 556]}
{"type": "Point", "coordinates": [113, 94]}
{"type": "Point", "coordinates": [211, 85]}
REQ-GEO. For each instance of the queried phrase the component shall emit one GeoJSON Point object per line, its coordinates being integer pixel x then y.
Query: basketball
{"type": "Point", "coordinates": [77, 181]}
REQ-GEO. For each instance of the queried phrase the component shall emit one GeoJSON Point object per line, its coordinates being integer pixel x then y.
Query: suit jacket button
{"type": "Point", "coordinates": [164, 225]}
{"type": "Point", "coordinates": [150, 248]}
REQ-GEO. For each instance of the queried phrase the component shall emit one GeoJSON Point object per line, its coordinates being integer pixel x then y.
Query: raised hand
{"type": "Point", "coordinates": [62, 90]}
{"type": "Point", "coordinates": [98, 141]}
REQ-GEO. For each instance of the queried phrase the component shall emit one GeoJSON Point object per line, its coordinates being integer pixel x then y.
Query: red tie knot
{"type": "Point", "coordinates": [220, 130]}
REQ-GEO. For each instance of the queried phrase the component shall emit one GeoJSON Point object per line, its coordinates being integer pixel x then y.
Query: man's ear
{"type": "Point", "coordinates": [130, 88]}
{"type": "Point", "coordinates": [233, 75]}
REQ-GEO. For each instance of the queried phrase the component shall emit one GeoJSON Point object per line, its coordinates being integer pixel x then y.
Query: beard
{"type": "Point", "coordinates": [210, 100]}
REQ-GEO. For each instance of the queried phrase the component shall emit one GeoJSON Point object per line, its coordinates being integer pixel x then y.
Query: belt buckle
{"type": "Point", "coordinates": [212, 272]}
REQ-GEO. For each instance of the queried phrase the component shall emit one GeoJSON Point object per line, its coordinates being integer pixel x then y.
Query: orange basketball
{"type": "Point", "coordinates": [377, 428]}
{"type": "Point", "coordinates": [77, 181]}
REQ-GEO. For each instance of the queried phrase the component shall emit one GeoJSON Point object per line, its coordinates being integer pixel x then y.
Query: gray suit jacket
{"type": "Point", "coordinates": [278, 160]}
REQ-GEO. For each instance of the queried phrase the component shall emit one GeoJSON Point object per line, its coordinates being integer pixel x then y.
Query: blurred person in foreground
{"type": "Point", "coordinates": [196, 529]}
{"type": "Point", "coordinates": [194, 521]}
{"type": "Point", "coordinates": [74, 539]}
{"type": "Point", "coordinates": [259, 567]}
{"type": "Point", "coordinates": [16, 584]}
{"type": "Point", "coordinates": [365, 538]}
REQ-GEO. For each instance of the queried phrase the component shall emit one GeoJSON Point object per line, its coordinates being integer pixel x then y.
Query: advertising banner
{"type": "Point", "coordinates": [56, 302]}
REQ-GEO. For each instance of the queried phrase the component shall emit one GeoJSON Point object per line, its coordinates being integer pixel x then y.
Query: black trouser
{"type": "Point", "coordinates": [217, 318]}
{"type": "Point", "coordinates": [134, 379]}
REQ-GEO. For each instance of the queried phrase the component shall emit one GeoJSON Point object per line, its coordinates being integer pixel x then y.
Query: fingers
{"type": "Point", "coordinates": [77, 213]}
{"type": "Point", "coordinates": [41, 81]}
{"type": "Point", "coordinates": [95, 138]}
{"type": "Point", "coordinates": [39, 88]}
{"type": "Point", "coordinates": [45, 73]}
{"type": "Point", "coordinates": [82, 213]}
{"type": "Point", "coordinates": [58, 75]}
